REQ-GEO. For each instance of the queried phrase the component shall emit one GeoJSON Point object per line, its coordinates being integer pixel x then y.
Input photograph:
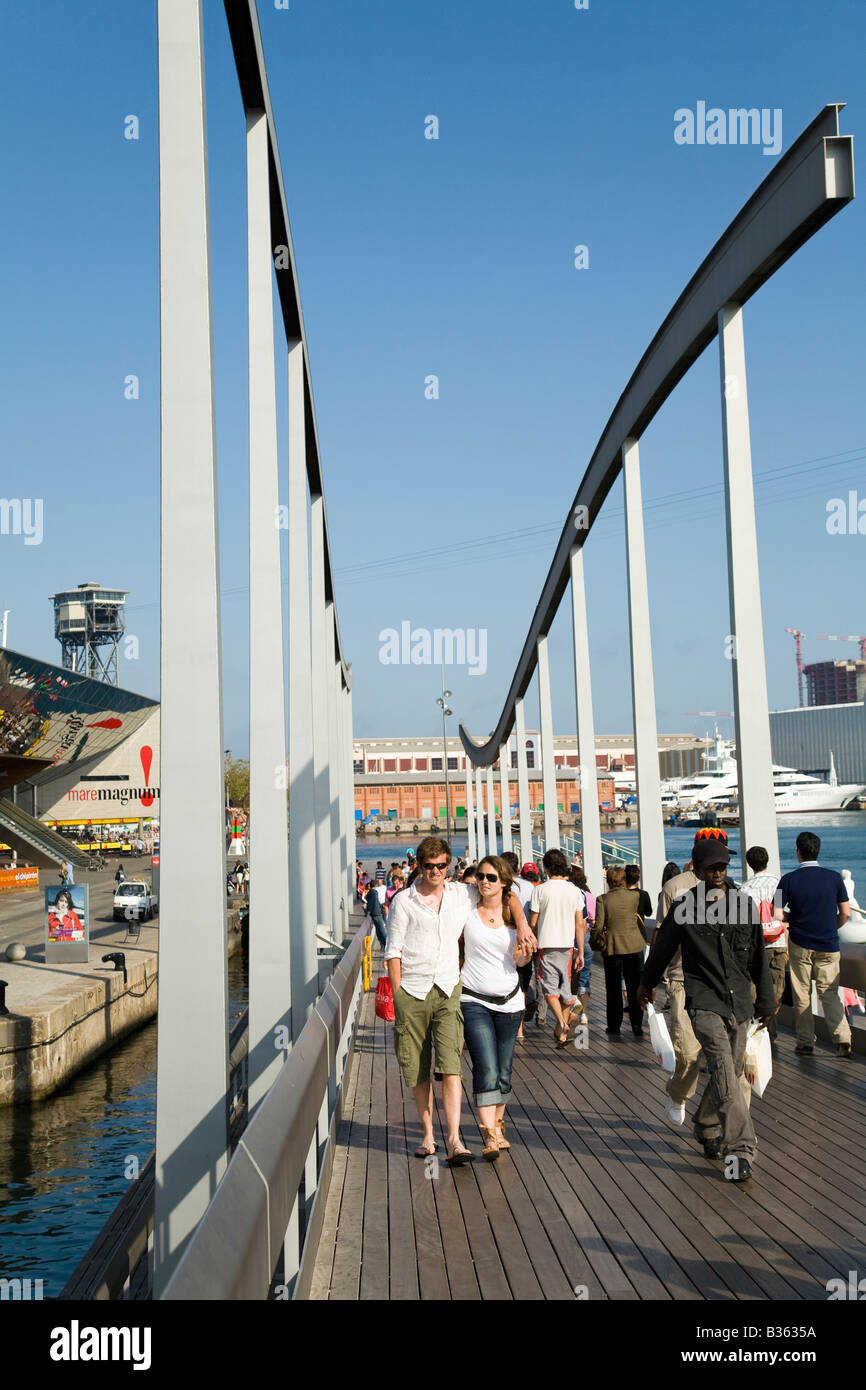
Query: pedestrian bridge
{"type": "Point", "coordinates": [282, 1164]}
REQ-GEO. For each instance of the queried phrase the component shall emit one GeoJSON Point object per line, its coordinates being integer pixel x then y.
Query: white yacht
{"type": "Point", "coordinates": [794, 791]}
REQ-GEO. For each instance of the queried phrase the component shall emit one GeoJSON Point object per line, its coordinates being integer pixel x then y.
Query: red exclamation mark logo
{"type": "Point", "coordinates": [146, 755]}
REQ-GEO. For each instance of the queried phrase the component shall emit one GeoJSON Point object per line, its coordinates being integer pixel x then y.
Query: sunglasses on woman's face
{"type": "Point", "coordinates": [488, 878]}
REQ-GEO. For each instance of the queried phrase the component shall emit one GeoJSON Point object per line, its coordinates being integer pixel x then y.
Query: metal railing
{"type": "Point", "coordinates": [112, 1258]}
{"type": "Point", "coordinates": [264, 1218]}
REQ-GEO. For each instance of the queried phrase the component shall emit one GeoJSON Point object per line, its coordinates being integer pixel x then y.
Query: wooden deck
{"type": "Point", "coordinates": [598, 1197]}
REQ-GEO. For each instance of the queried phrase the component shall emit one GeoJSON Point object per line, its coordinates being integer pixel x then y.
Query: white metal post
{"type": "Point", "coordinates": [651, 836]}
{"type": "Point", "coordinates": [479, 815]}
{"type": "Point", "coordinates": [303, 895]}
{"type": "Point", "coordinates": [192, 1052]}
{"type": "Point", "coordinates": [341, 847]}
{"type": "Point", "coordinates": [746, 643]}
{"type": "Point", "coordinates": [350, 789]}
{"type": "Point", "coordinates": [335, 775]}
{"type": "Point", "coordinates": [470, 814]}
{"type": "Point", "coordinates": [269, 964]}
{"type": "Point", "coordinates": [548, 765]}
{"type": "Point", "coordinates": [590, 821]}
{"type": "Point", "coordinates": [505, 798]}
{"type": "Point", "coordinates": [321, 646]}
{"type": "Point", "coordinates": [491, 813]}
{"type": "Point", "coordinates": [524, 806]}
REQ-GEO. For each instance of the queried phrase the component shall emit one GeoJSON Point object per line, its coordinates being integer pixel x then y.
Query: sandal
{"type": "Point", "coordinates": [491, 1143]}
{"type": "Point", "coordinates": [424, 1152]}
{"type": "Point", "coordinates": [459, 1156]}
{"type": "Point", "coordinates": [500, 1130]}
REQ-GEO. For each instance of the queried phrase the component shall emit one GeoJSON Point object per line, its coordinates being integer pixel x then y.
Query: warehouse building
{"type": "Point", "coordinates": [805, 738]}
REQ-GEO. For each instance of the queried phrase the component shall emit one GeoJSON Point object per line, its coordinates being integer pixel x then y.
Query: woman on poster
{"type": "Point", "coordinates": [64, 924]}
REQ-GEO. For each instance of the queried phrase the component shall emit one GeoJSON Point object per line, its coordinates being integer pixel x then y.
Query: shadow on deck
{"type": "Point", "coordinates": [598, 1198]}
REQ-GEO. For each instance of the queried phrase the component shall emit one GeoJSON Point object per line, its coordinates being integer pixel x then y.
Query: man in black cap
{"type": "Point", "coordinates": [719, 931]}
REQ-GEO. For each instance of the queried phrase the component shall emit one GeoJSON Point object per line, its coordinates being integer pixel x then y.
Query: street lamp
{"type": "Point", "coordinates": [445, 713]}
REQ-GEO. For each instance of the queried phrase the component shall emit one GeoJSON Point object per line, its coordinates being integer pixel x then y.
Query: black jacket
{"type": "Point", "coordinates": [723, 953]}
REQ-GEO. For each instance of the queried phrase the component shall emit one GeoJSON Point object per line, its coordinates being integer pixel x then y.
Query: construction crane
{"type": "Point", "coordinates": [798, 638]}
{"type": "Point", "coordinates": [861, 640]}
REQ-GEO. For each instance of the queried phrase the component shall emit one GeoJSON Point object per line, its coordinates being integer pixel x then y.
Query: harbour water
{"type": "Point", "coordinates": [66, 1161]}
{"type": "Point", "coordinates": [842, 835]}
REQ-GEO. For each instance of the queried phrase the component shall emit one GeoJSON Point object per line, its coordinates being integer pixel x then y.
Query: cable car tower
{"type": "Point", "coordinates": [87, 621]}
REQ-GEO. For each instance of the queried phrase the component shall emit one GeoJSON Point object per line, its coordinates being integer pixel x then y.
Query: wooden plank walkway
{"type": "Point", "coordinates": [598, 1197]}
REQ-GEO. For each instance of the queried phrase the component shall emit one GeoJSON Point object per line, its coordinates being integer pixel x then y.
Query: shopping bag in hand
{"type": "Point", "coordinates": [758, 1061]}
{"type": "Point", "coordinates": [660, 1040]}
{"type": "Point", "coordinates": [384, 1000]}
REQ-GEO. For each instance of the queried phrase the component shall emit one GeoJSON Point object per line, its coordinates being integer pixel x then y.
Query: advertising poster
{"type": "Point", "coordinates": [67, 923]}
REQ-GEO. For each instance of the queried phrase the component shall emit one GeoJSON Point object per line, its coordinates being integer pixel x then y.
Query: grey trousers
{"type": "Point", "coordinates": [723, 1112]}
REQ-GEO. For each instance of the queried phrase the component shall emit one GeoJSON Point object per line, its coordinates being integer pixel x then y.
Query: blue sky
{"type": "Point", "coordinates": [451, 257]}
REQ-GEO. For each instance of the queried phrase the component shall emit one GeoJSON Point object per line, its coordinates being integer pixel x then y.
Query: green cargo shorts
{"type": "Point", "coordinates": [421, 1024]}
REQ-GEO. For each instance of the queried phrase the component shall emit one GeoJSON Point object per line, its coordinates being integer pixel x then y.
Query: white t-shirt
{"type": "Point", "coordinates": [488, 965]}
{"type": "Point", "coordinates": [556, 903]}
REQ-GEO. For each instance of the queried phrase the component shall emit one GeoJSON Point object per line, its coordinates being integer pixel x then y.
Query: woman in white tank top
{"type": "Point", "coordinates": [491, 999]}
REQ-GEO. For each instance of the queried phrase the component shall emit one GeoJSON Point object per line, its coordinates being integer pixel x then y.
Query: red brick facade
{"type": "Point", "coordinates": [422, 802]}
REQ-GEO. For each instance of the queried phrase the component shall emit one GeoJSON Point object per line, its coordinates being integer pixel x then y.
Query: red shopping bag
{"type": "Point", "coordinates": [384, 1000]}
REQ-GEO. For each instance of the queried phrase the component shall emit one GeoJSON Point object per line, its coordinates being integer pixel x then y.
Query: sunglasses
{"type": "Point", "coordinates": [442, 866]}
{"type": "Point", "coordinates": [488, 878]}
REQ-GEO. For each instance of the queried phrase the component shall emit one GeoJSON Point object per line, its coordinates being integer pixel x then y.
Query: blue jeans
{"type": "Point", "coordinates": [490, 1037]}
{"type": "Point", "coordinates": [582, 977]}
{"type": "Point", "coordinates": [379, 924]}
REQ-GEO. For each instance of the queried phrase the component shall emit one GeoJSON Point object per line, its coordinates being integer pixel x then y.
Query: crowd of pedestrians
{"type": "Point", "coordinates": [476, 951]}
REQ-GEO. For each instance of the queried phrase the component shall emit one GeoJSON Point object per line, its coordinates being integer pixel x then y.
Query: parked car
{"type": "Point", "coordinates": [135, 901]}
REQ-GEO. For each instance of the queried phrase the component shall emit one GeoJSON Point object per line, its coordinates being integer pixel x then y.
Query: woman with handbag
{"type": "Point", "coordinates": [491, 999]}
{"type": "Point", "coordinates": [617, 935]}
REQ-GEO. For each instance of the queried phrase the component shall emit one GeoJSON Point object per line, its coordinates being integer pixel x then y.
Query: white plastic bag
{"type": "Point", "coordinates": [660, 1040]}
{"type": "Point", "coordinates": [758, 1062]}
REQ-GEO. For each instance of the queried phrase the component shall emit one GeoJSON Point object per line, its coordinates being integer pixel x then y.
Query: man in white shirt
{"type": "Point", "coordinates": [424, 927]}
{"type": "Point", "coordinates": [557, 913]}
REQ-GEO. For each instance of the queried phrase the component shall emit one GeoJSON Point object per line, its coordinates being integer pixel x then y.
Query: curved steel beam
{"type": "Point", "coordinates": [805, 188]}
